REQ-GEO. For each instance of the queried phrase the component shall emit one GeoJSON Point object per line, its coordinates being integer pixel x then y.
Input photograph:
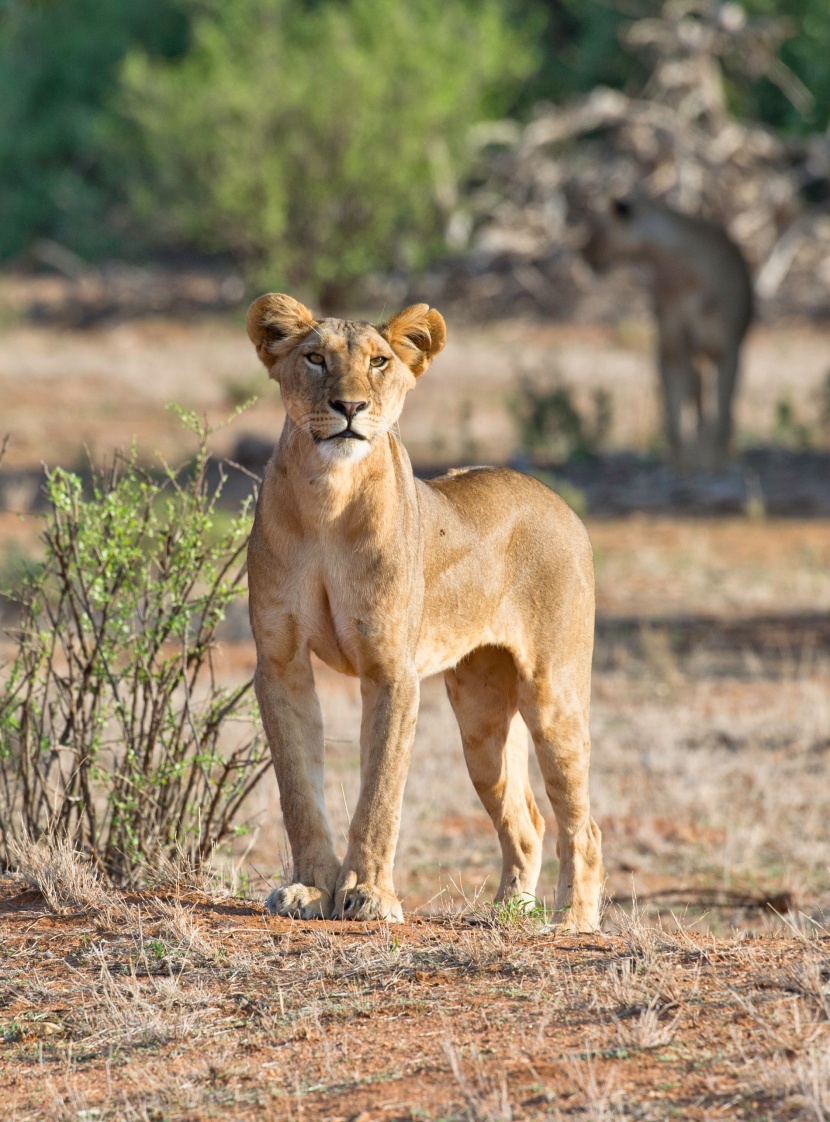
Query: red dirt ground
{"type": "Point", "coordinates": [249, 1017]}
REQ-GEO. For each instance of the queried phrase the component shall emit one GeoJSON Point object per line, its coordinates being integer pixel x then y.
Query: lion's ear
{"type": "Point", "coordinates": [276, 323]}
{"type": "Point", "coordinates": [416, 335]}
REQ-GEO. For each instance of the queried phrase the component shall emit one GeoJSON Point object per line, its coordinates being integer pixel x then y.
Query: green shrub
{"type": "Point", "coordinates": [318, 142]}
{"type": "Point", "coordinates": [550, 423]}
{"type": "Point", "coordinates": [788, 430]}
{"type": "Point", "coordinates": [114, 733]}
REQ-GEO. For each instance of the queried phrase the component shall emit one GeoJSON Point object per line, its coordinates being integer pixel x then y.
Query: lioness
{"type": "Point", "coordinates": [702, 296]}
{"type": "Point", "coordinates": [484, 575]}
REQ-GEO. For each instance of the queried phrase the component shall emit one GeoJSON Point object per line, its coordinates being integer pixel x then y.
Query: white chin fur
{"type": "Point", "coordinates": [343, 451]}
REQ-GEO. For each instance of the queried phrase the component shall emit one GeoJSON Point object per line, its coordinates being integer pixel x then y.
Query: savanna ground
{"type": "Point", "coordinates": [708, 993]}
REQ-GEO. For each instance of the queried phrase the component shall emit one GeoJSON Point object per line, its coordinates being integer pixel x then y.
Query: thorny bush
{"type": "Point", "coordinates": [114, 731]}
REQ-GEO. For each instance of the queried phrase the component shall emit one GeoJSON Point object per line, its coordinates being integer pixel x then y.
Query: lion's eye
{"type": "Point", "coordinates": [378, 361]}
{"type": "Point", "coordinates": [316, 359]}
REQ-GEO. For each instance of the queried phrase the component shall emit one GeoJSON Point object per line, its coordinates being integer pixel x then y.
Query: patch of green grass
{"type": "Point", "coordinates": [157, 948]}
{"type": "Point", "coordinates": [515, 911]}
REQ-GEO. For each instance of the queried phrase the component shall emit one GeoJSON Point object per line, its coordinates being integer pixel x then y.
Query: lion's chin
{"type": "Point", "coordinates": [342, 450]}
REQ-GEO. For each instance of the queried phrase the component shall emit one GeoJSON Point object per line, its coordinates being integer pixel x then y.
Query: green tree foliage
{"type": "Point", "coordinates": [580, 43]}
{"type": "Point", "coordinates": [318, 142]}
{"type": "Point", "coordinates": [806, 52]}
{"type": "Point", "coordinates": [59, 64]}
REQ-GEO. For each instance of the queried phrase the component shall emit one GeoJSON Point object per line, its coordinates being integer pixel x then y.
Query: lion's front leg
{"type": "Point", "coordinates": [364, 888]}
{"type": "Point", "coordinates": [294, 726]}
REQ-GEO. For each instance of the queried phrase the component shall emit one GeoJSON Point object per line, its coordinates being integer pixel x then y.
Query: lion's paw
{"type": "Point", "coordinates": [299, 901]}
{"type": "Point", "coordinates": [364, 902]}
{"type": "Point", "coordinates": [565, 922]}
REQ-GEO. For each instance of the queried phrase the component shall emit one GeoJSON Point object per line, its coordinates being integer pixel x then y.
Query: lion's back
{"type": "Point", "coordinates": [499, 497]}
{"type": "Point", "coordinates": [514, 523]}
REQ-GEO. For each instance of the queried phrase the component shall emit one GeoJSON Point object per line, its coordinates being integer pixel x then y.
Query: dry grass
{"type": "Point", "coordinates": [276, 1019]}
{"type": "Point", "coordinates": [599, 1096]}
{"type": "Point", "coordinates": [811, 979]}
{"type": "Point", "coordinates": [485, 1094]}
{"type": "Point", "coordinates": [64, 878]}
{"type": "Point", "coordinates": [140, 1007]}
{"type": "Point", "coordinates": [648, 1028]}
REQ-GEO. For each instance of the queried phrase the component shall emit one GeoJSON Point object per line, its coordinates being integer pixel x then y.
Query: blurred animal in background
{"type": "Point", "coordinates": [702, 295]}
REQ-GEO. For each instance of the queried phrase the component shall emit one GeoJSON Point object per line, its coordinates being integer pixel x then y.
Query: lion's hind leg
{"type": "Point", "coordinates": [483, 693]}
{"type": "Point", "coordinates": [555, 707]}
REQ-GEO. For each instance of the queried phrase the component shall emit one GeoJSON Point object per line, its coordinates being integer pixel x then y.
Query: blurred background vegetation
{"type": "Point", "coordinates": [311, 142]}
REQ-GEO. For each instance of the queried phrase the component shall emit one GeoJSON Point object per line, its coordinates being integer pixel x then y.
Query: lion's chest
{"type": "Point", "coordinates": [329, 626]}
{"type": "Point", "coordinates": [344, 610]}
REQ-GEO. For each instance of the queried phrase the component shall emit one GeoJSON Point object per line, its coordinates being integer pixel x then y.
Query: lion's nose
{"type": "Point", "coordinates": [348, 408]}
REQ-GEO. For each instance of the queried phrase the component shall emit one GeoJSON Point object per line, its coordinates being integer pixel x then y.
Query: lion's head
{"type": "Point", "coordinates": [343, 382]}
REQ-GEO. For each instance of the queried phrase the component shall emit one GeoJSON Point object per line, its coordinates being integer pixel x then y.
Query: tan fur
{"type": "Point", "coordinates": [702, 296]}
{"type": "Point", "coordinates": [483, 575]}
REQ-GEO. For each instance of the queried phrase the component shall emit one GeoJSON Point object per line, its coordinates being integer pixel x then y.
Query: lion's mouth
{"type": "Point", "coordinates": [344, 434]}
